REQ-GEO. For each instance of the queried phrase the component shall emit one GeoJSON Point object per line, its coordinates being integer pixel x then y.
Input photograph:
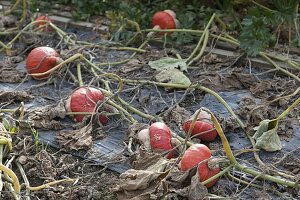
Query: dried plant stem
{"type": "Point", "coordinates": [11, 189]}
{"type": "Point", "coordinates": [235, 42]}
{"type": "Point", "coordinates": [268, 177]}
{"type": "Point", "coordinates": [213, 196]}
{"type": "Point", "coordinates": [7, 141]}
{"type": "Point", "coordinates": [9, 44]}
{"type": "Point", "coordinates": [67, 39]}
{"type": "Point", "coordinates": [241, 181]}
{"type": "Point", "coordinates": [8, 12]}
{"type": "Point", "coordinates": [13, 176]}
{"type": "Point", "coordinates": [7, 110]}
{"type": "Point", "coordinates": [292, 63]}
{"type": "Point", "coordinates": [64, 35]}
{"type": "Point", "coordinates": [263, 7]}
{"type": "Point", "coordinates": [129, 107]}
{"type": "Point", "coordinates": [49, 184]}
{"type": "Point", "coordinates": [291, 107]}
{"type": "Point", "coordinates": [24, 12]}
{"type": "Point", "coordinates": [120, 108]}
{"type": "Point", "coordinates": [69, 60]}
{"type": "Point", "coordinates": [1, 160]}
{"type": "Point", "coordinates": [23, 174]}
{"type": "Point", "coordinates": [196, 86]}
{"type": "Point", "coordinates": [245, 169]}
{"type": "Point", "coordinates": [224, 140]}
{"type": "Point", "coordinates": [201, 39]}
{"type": "Point", "coordinates": [79, 76]}
{"type": "Point", "coordinates": [206, 34]}
{"type": "Point", "coordinates": [279, 68]}
{"type": "Point", "coordinates": [197, 32]}
{"type": "Point", "coordinates": [256, 155]}
{"type": "Point", "coordinates": [136, 111]}
{"type": "Point", "coordinates": [88, 44]}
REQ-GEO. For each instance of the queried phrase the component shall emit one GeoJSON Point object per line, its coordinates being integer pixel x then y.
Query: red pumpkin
{"type": "Point", "coordinates": [40, 24]}
{"type": "Point", "coordinates": [165, 20]}
{"type": "Point", "coordinates": [42, 59]}
{"type": "Point", "coordinates": [202, 124]}
{"type": "Point", "coordinates": [195, 155]}
{"type": "Point", "coordinates": [85, 99]}
{"type": "Point", "coordinates": [160, 138]}
{"type": "Point", "coordinates": [205, 176]}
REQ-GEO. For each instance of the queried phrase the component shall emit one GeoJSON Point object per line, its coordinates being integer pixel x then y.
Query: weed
{"type": "Point", "coordinates": [256, 29]}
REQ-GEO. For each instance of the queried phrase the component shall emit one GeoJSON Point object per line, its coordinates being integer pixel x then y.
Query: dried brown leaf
{"type": "Point", "coordinates": [7, 21]}
{"type": "Point", "coordinates": [15, 96]}
{"type": "Point", "coordinates": [138, 184]}
{"type": "Point", "coordinates": [178, 114]}
{"type": "Point", "coordinates": [44, 117]}
{"type": "Point", "coordinates": [246, 80]}
{"type": "Point", "coordinates": [138, 179]}
{"type": "Point", "coordinates": [8, 70]}
{"type": "Point", "coordinates": [197, 191]}
{"type": "Point", "coordinates": [182, 178]}
{"type": "Point", "coordinates": [75, 139]}
{"type": "Point", "coordinates": [132, 65]}
{"type": "Point", "coordinates": [135, 128]}
{"type": "Point", "coordinates": [144, 159]}
{"type": "Point", "coordinates": [43, 165]}
{"type": "Point", "coordinates": [137, 196]}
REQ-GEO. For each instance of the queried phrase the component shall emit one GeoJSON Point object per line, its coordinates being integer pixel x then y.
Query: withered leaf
{"type": "Point", "coordinates": [138, 184]}
{"type": "Point", "coordinates": [178, 115]}
{"type": "Point", "coordinates": [15, 96]}
{"type": "Point", "coordinates": [145, 159]}
{"type": "Point", "coordinates": [138, 179]}
{"type": "Point", "coordinates": [9, 72]}
{"type": "Point", "coordinates": [132, 65]}
{"type": "Point", "coordinates": [48, 124]}
{"type": "Point", "coordinates": [135, 128]}
{"type": "Point", "coordinates": [133, 196]}
{"type": "Point", "coordinates": [266, 136]}
{"type": "Point", "coordinates": [197, 191]}
{"type": "Point", "coordinates": [169, 64]}
{"type": "Point", "coordinates": [44, 117]}
{"type": "Point", "coordinates": [7, 21]}
{"type": "Point", "coordinates": [75, 139]}
{"type": "Point", "coordinates": [142, 184]}
{"type": "Point", "coordinates": [173, 76]}
{"type": "Point", "coordinates": [182, 177]}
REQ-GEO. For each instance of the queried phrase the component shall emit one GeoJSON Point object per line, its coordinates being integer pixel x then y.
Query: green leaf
{"type": "Point", "coordinates": [173, 76]}
{"type": "Point", "coordinates": [169, 64]}
{"type": "Point", "coordinates": [266, 136]}
{"type": "Point", "coordinates": [256, 32]}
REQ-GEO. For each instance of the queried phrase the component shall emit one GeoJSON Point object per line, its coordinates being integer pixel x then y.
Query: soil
{"type": "Point", "coordinates": [249, 89]}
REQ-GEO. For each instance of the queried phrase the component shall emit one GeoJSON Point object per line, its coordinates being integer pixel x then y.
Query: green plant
{"type": "Point", "coordinates": [257, 27]}
{"type": "Point", "coordinates": [193, 17]}
{"type": "Point", "coordinates": [287, 9]}
{"type": "Point", "coordinates": [35, 134]}
{"type": "Point", "coordinates": [37, 5]}
{"type": "Point", "coordinates": [288, 12]}
{"type": "Point", "coordinates": [256, 33]}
